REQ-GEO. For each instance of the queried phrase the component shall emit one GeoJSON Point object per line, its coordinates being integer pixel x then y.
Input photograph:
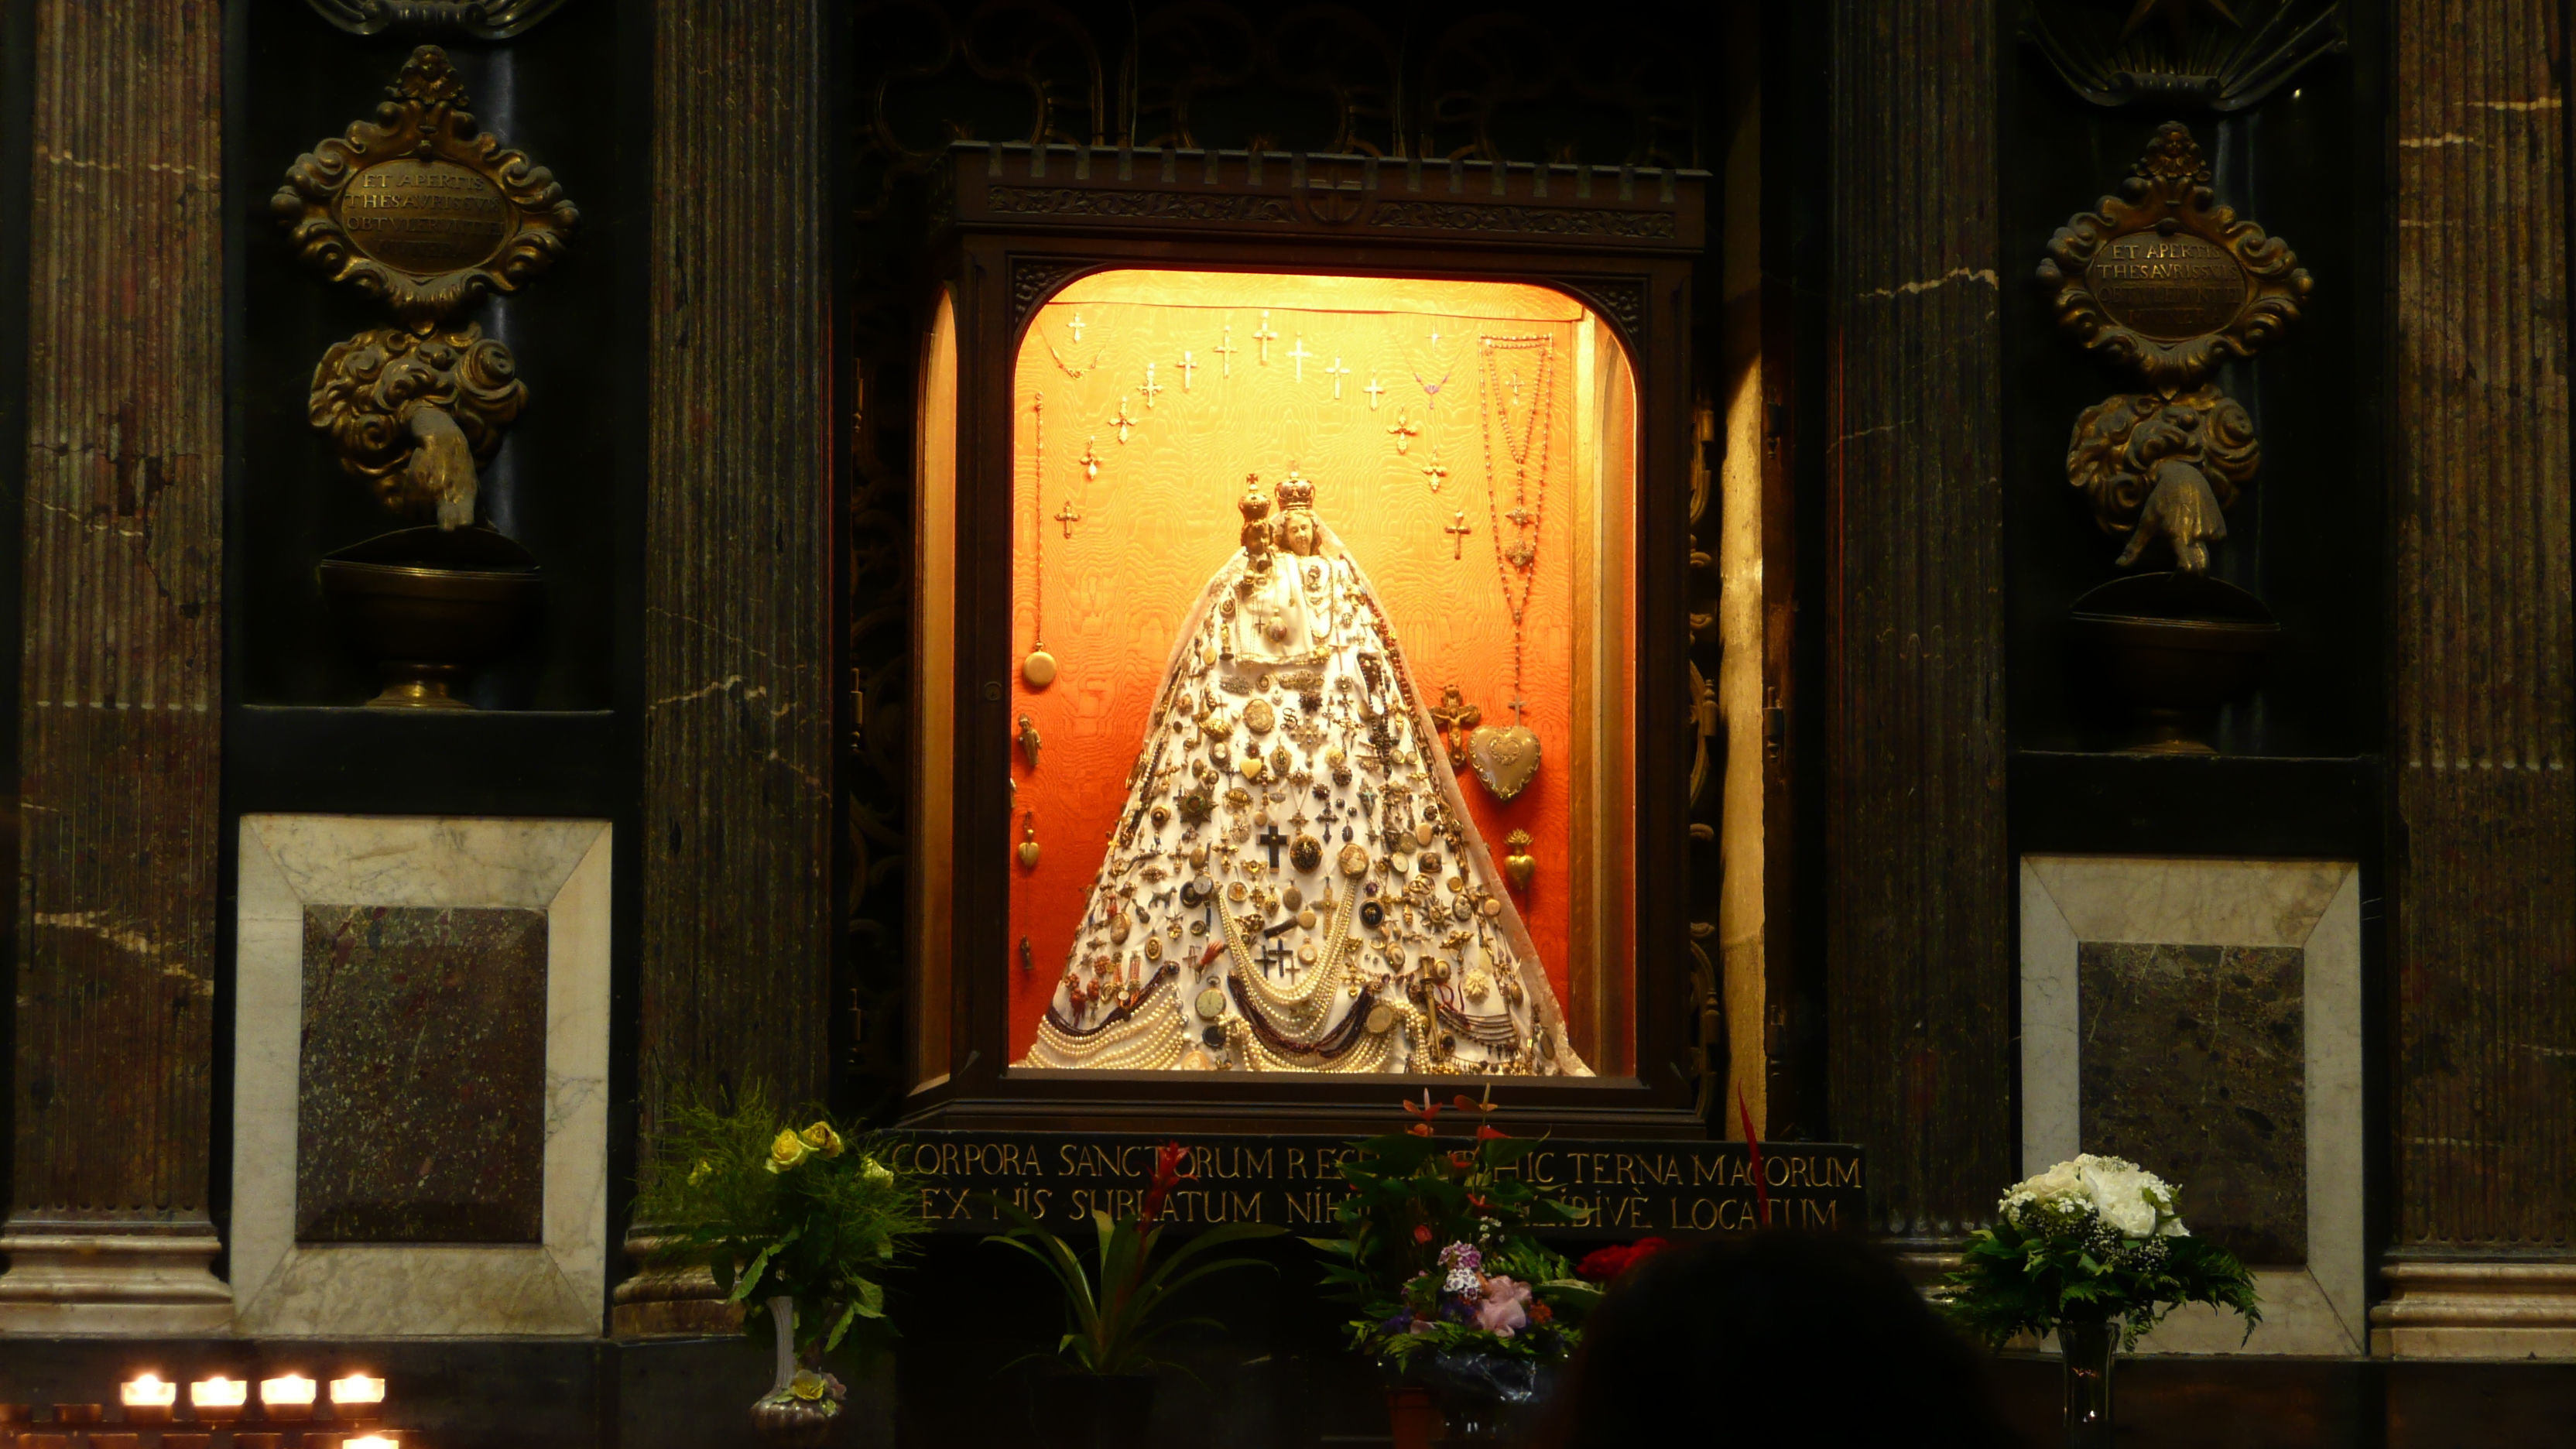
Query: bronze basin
{"type": "Point", "coordinates": [429, 607]}
{"type": "Point", "coordinates": [2165, 651]}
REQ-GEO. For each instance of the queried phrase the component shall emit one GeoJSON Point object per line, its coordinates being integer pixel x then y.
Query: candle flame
{"type": "Point", "coordinates": [147, 1390]}
{"type": "Point", "coordinates": [291, 1389]}
{"type": "Point", "coordinates": [371, 1441]}
{"type": "Point", "coordinates": [218, 1393]}
{"type": "Point", "coordinates": [357, 1389]}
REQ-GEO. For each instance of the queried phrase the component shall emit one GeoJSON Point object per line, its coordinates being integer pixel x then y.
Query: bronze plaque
{"type": "Point", "coordinates": [425, 217]}
{"type": "Point", "coordinates": [417, 208]}
{"type": "Point", "coordinates": [2170, 288]}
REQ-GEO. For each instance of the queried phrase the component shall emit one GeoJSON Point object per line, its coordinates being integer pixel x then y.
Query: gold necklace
{"type": "Point", "coordinates": [1039, 668]}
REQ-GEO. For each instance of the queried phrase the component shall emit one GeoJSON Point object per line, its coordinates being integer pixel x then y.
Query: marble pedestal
{"type": "Point", "coordinates": [2191, 993]}
{"type": "Point", "coordinates": [430, 942]}
{"type": "Point", "coordinates": [85, 1276]}
{"type": "Point", "coordinates": [2477, 1308]}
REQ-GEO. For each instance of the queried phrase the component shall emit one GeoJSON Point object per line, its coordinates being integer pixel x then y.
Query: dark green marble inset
{"type": "Point", "coordinates": [2195, 1068]}
{"type": "Point", "coordinates": [421, 1109]}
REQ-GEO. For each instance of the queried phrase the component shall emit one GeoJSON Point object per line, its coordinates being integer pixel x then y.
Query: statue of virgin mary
{"type": "Point", "coordinates": [1295, 883]}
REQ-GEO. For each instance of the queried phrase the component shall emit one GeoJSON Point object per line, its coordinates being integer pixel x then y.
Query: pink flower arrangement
{"type": "Point", "coordinates": [1504, 1310]}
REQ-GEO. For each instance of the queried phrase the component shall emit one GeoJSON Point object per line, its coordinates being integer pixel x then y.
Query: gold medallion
{"type": "Point", "coordinates": [1354, 860]}
{"type": "Point", "coordinates": [1380, 1017]}
{"type": "Point", "coordinates": [1306, 852]}
{"type": "Point", "coordinates": [1258, 716]}
{"type": "Point", "coordinates": [1153, 948]}
{"type": "Point", "coordinates": [1038, 669]}
{"type": "Point", "coordinates": [1211, 1004]}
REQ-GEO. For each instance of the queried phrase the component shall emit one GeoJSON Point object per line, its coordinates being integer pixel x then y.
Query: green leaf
{"type": "Point", "coordinates": [751, 1275]}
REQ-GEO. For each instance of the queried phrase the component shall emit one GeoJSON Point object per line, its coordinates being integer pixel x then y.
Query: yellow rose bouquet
{"type": "Point", "coordinates": [800, 1219]}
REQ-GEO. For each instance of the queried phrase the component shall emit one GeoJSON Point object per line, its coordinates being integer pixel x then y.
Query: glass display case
{"type": "Point", "coordinates": [1288, 676]}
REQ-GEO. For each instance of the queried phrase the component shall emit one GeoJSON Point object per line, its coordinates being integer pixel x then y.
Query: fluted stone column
{"type": "Point", "coordinates": [119, 675]}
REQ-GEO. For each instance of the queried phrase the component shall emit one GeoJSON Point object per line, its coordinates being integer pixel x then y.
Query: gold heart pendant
{"type": "Point", "coordinates": [1519, 865]}
{"type": "Point", "coordinates": [1506, 758]}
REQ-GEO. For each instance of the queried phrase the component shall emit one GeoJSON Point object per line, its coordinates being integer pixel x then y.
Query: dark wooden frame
{"type": "Point", "coordinates": [1014, 225]}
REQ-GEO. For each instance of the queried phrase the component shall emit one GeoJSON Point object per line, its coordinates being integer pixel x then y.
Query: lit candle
{"type": "Point", "coordinates": [218, 1398]}
{"type": "Point", "coordinates": [290, 1397]}
{"type": "Point", "coordinates": [356, 1396]}
{"type": "Point", "coordinates": [371, 1441]}
{"type": "Point", "coordinates": [148, 1399]}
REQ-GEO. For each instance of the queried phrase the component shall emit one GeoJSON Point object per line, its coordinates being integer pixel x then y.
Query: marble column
{"type": "Point", "coordinates": [1917, 890]}
{"type": "Point", "coordinates": [737, 922]}
{"type": "Point", "coordinates": [2483, 915]}
{"type": "Point", "coordinates": [108, 1228]}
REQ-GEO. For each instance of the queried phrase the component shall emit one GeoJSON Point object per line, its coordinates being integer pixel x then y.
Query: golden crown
{"type": "Point", "coordinates": [1296, 492]}
{"type": "Point", "coordinates": [1255, 504]}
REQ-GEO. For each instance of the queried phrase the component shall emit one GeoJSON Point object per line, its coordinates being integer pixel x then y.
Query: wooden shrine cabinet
{"type": "Point", "coordinates": [1147, 374]}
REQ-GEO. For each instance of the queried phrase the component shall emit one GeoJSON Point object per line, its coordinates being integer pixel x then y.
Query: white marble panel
{"type": "Point", "coordinates": [374, 1290]}
{"type": "Point", "coordinates": [2315, 905]}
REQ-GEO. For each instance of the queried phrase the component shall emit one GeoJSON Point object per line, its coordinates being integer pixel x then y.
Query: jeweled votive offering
{"type": "Point", "coordinates": [219, 1398]}
{"type": "Point", "coordinates": [147, 1399]}
{"type": "Point", "coordinates": [288, 1398]}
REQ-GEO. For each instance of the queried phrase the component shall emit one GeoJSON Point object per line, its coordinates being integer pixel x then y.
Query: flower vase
{"type": "Point", "coordinates": [783, 1416]}
{"type": "Point", "coordinates": [1483, 1396]}
{"type": "Point", "coordinates": [2089, 1349]}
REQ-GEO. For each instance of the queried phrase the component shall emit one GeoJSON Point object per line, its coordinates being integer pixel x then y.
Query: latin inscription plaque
{"type": "Point", "coordinates": [2168, 287]}
{"type": "Point", "coordinates": [425, 217]}
{"type": "Point", "coordinates": [1630, 1189]}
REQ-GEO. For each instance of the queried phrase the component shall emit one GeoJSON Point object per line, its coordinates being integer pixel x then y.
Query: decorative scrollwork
{"type": "Point", "coordinates": [417, 208]}
{"type": "Point", "coordinates": [1032, 278]}
{"type": "Point", "coordinates": [2111, 56]}
{"type": "Point", "coordinates": [1531, 220]}
{"type": "Point", "coordinates": [415, 414]}
{"type": "Point", "coordinates": [481, 19]}
{"type": "Point", "coordinates": [2158, 467]}
{"type": "Point", "coordinates": [1137, 205]}
{"type": "Point", "coordinates": [2165, 280]}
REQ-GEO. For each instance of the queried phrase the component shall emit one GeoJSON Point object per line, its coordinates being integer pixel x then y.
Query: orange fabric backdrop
{"type": "Point", "coordinates": [1160, 519]}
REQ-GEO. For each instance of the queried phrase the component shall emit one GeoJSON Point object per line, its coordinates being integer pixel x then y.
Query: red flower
{"type": "Point", "coordinates": [1489, 1134]}
{"type": "Point", "coordinates": [1461, 1160]}
{"type": "Point", "coordinates": [1601, 1265]}
{"type": "Point", "coordinates": [1466, 1103]}
{"type": "Point", "coordinates": [1422, 1232]}
{"type": "Point", "coordinates": [1428, 1110]}
{"type": "Point", "coordinates": [1167, 1174]}
{"type": "Point", "coordinates": [1420, 1129]}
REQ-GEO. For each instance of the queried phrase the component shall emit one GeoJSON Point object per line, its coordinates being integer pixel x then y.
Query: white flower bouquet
{"type": "Point", "coordinates": [2086, 1242]}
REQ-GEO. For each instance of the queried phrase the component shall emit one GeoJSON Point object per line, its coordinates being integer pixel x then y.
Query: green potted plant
{"type": "Point", "coordinates": [2094, 1250]}
{"type": "Point", "coordinates": [1460, 1303]}
{"type": "Point", "coordinates": [1115, 1309]}
{"type": "Point", "coordinates": [799, 1219]}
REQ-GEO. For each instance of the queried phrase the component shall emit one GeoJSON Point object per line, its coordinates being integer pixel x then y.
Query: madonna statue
{"type": "Point", "coordinates": [1295, 885]}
